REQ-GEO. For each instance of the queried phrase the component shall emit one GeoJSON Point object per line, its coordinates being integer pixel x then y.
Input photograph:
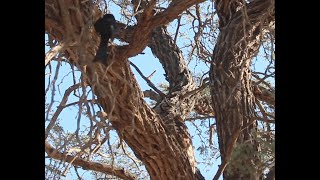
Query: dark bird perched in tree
{"type": "Point", "coordinates": [105, 27]}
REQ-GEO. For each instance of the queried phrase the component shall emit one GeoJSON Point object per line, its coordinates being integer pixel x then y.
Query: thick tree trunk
{"type": "Point", "coordinates": [158, 136]}
{"type": "Point", "coordinates": [166, 154]}
{"type": "Point", "coordinates": [176, 106]}
{"type": "Point", "coordinates": [231, 89]}
{"type": "Point", "coordinates": [139, 126]}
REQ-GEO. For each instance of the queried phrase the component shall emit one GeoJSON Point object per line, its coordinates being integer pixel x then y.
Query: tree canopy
{"type": "Point", "coordinates": [184, 82]}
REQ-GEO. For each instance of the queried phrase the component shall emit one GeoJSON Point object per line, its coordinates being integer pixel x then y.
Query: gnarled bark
{"type": "Point", "coordinates": [166, 155]}
{"type": "Point", "coordinates": [158, 136]}
{"type": "Point", "coordinates": [241, 27]}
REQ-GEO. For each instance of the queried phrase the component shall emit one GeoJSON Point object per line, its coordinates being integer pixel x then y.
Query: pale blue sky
{"type": "Point", "coordinates": [147, 63]}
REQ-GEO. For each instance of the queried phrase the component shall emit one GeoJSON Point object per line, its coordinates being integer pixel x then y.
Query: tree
{"type": "Point", "coordinates": [227, 35]}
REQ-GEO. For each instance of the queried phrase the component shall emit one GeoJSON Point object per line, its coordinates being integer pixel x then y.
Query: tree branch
{"type": "Point", "coordinates": [119, 95]}
{"type": "Point", "coordinates": [241, 29]}
{"type": "Point", "coordinates": [148, 81]}
{"type": "Point", "coordinates": [174, 9]}
{"type": "Point", "coordinates": [143, 30]}
{"type": "Point", "coordinates": [88, 165]}
{"type": "Point", "coordinates": [152, 95]}
{"type": "Point", "coordinates": [53, 52]}
{"type": "Point", "coordinates": [264, 94]}
{"type": "Point", "coordinates": [60, 108]}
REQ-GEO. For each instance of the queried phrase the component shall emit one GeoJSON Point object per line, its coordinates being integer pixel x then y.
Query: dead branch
{"type": "Point", "coordinates": [88, 165]}
{"type": "Point", "coordinates": [148, 81]}
{"type": "Point", "coordinates": [60, 108]}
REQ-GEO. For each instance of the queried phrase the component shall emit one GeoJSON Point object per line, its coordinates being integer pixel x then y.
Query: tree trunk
{"type": "Point", "coordinates": [230, 79]}
{"type": "Point", "coordinates": [139, 126]}
{"type": "Point", "coordinates": [158, 137]}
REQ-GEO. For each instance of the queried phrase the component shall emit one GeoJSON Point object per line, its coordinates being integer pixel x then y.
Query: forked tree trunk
{"type": "Point", "coordinates": [166, 152]}
{"type": "Point", "coordinates": [230, 79]}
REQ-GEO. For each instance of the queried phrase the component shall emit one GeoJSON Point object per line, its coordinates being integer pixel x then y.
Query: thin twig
{"type": "Point", "coordinates": [88, 165]}
{"type": "Point", "coordinates": [53, 91]}
{"type": "Point", "coordinates": [195, 91]}
{"type": "Point", "coordinates": [147, 80]}
{"type": "Point", "coordinates": [76, 170]}
{"type": "Point", "coordinates": [60, 108]}
{"type": "Point", "coordinates": [177, 30]}
{"type": "Point", "coordinates": [125, 152]}
{"type": "Point", "coordinates": [199, 117]}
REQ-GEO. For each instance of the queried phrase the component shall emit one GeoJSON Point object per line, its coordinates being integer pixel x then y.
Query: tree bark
{"type": "Point", "coordinates": [158, 136]}
{"type": "Point", "coordinates": [241, 27]}
{"type": "Point", "coordinates": [166, 152]}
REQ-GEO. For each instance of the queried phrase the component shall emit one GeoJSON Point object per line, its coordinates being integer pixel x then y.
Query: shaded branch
{"type": "Point", "coordinates": [204, 107]}
{"type": "Point", "coordinates": [264, 94]}
{"type": "Point", "coordinates": [88, 165]}
{"type": "Point", "coordinates": [142, 31]}
{"type": "Point", "coordinates": [152, 95]}
{"type": "Point", "coordinates": [174, 9]}
{"type": "Point", "coordinates": [195, 91]}
{"type": "Point", "coordinates": [198, 117]}
{"type": "Point", "coordinates": [170, 56]}
{"type": "Point", "coordinates": [225, 10]}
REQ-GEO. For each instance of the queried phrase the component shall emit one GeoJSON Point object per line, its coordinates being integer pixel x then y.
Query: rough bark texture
{"type": "Point", "coordinates": [175, 107]}
{"type": "Point", "coordinates": [241, 28]}
{"type": "Point", "coordinates": [140, 127]}
{"type": "Point", "coordinates": [166, 152]}
{"type": "Point", "coordinates": [159, 137]}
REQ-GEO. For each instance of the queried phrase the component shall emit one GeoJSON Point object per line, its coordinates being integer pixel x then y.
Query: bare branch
{"type": "Point", "coordinates": [175, 8]}
{"type": "Point", "coordinates": [152, 95]}
{"type": "Point", "coordinates": [177, 30]}
{"type": "Point", "coordinates": [53, 52]}
{"type": "Point", "coordinates": [263, 111]}
{"type": "Point", "coordinates": [88, 165]}
{"type": "Point", "coordinates": [60, 108]}
{"type": "Point", "coordinates": [195, 91]}
{"type": "Point", "coordinates": [263, 94]}
{"type": "Point", "coordinates": [152, 74]}
{"type": "Point", "coordinates": [143, 30]}
{"type": "Point", "coordinates": [148, 81]}
{"type": "Point", "coordinates": [198, 117]}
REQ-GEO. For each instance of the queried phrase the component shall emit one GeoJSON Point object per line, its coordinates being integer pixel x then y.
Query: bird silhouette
{"type": "Point", "coordinates": [105, 27]}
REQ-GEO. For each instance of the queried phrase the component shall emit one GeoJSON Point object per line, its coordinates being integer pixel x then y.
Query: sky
{"type": "Point", "coordinates": [147, 63]}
